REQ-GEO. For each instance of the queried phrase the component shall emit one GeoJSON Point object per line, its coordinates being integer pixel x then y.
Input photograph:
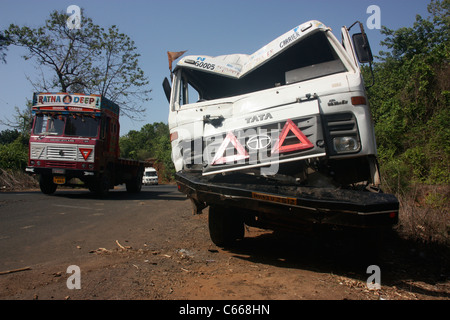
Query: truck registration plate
{"type": "Point", "coordinates": [59, 180]}
{"type": "Point", "coordinates": [271, 198]}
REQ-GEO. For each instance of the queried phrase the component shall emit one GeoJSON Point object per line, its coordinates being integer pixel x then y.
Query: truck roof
{"type": "Point", "coordinates": [73, 102]}
{"type": "Point", "coordinates": [238, 65]}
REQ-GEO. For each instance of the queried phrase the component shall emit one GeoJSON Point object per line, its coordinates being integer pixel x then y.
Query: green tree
{"type": "Point", "coordinates": [14, 155]}
{"type": "Point", "coordinates": [8, 136]}
{"type": "Point", "coordinates": [86, 60]}
{"type": "Point", "coordinates": [151, 141]}
{"type": "Point", "coordinates": [3, 47]}
{"type": "Point", "coordinates": [410, 99]}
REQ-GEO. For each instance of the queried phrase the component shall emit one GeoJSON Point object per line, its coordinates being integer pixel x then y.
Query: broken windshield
{"type": "Point", "coordinates": [68, 125]}
{"type": "Point", "coordinates": [310, 58]}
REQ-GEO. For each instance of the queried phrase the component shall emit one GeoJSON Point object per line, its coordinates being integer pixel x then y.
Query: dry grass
{"type": "Point", "coordinates": [424, 214]}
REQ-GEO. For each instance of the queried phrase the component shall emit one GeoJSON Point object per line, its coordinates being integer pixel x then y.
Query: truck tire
{"type": "Point", "coordinates": [46, 184]}
{"type": "Point", "coordinates": [225, 226]}
{"type": "Point", "coordinates": [100, 185]}
{"type": "Point", "coordinates": [134, 185]}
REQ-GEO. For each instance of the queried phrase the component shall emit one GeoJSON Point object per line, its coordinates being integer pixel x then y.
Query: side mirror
{"type": "Point", "coordinates": [167, 88]}
{"type": "Point", "coordinates": [362, 47]}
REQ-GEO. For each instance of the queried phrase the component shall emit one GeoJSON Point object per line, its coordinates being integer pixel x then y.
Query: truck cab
{"type": "Point", "coordinates": [296, 107]}
{"type": "Point", "coordinates": [77, 136]}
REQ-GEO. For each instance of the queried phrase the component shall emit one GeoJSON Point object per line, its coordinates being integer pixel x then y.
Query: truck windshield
{"type": "Point", "coordinates": [68, 125]}
{"type": "Point", "coordinates": [49, 125]}
{"type": "Point", "coordinates": [150, 174]}
{"type": "Point", "coordinates": [81, 126]}
{"type": "Point", "coordinates": [310, 58]}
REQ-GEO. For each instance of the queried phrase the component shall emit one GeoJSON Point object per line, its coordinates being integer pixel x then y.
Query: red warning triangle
{"type": "Point", "coordinates": [85, 153]}
{"type": "Point", "coordinates": [303, 144]}
{"type": "Point", "coordinates": [242, 154]}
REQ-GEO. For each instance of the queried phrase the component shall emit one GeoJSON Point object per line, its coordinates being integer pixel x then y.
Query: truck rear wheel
{"type": "Point", "coordinates": [134, 185]}
{"type": "Point", "coordinates": [225, 226]}
{"type": "Point", "coordinates": [46, 184]}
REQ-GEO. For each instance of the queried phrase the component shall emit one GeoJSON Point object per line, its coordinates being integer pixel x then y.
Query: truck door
{"type": "Point", "coordinates": [357, 46]}
{"type": "Point", "coordinates": [348, 45]}
{"type": "Point", "coordinates": [185, 124]}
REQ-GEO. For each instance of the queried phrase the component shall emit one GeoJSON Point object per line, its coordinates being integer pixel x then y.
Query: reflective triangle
{"type": "Point", "coordinates": [85, 153]}
{"type": "Point", "coordinates": [220, 157]}
{"type": "Point", "coordinates": [302, 145]}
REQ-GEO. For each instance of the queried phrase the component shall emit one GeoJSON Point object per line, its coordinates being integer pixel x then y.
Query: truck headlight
{"type": "Point", "coordinates": [345, 144]}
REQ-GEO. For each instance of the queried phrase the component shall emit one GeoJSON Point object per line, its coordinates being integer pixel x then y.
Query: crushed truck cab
{"type": "Point", "coordinates": [284, 130]}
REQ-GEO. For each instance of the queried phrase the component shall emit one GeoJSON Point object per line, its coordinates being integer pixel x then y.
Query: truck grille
{"type": "Point", "coordinates": [60, 152]}
{"type": "Point", "coordinates": [272, 148]}
{"type": "Point", "coordinates": [307, 125]}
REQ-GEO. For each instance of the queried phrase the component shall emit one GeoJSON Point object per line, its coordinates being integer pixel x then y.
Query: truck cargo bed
{"type": "Point", "coordinates": [287, 203]}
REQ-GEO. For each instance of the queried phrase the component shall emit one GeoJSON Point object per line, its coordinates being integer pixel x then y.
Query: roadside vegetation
{"type": "Point", "coordinates": [151, 142]}
{"type": "Point", "coordinates": [410, 102]}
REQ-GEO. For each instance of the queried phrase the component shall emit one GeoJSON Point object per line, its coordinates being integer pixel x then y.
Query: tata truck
{"type": "Point", "coordinates": [75, 141]}
{"type": "Point", "coordinates": [279, 139]}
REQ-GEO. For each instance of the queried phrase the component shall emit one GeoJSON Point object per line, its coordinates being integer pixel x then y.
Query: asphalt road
{"type": "Point", "coordinates": [40, 229]}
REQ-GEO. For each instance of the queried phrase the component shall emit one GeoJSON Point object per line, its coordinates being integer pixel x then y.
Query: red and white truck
{"type": "Point", "coordinates": [77, 136]}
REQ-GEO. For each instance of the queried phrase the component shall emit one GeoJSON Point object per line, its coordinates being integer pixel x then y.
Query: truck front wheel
{"type": "Point", "coordinates": [46, 184]}
{"type": "Point", "coordinates": [226, 226]}
{"type": "Point", "coordinates": [100, 185]}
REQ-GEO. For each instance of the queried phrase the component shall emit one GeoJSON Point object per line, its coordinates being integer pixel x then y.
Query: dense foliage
{"type": "Point", "coordinates": [13, 150]}
{"type": "Point", "coordinates": [410, 101]}
{"type": "Point", "coordinates": [152, 141]}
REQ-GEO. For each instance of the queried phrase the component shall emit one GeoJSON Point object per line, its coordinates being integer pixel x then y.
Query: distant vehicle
{"type": "Point", "coordinates": [77, 136]}
{"type": "Point", "coordinates": [150, 176]}
{"type": "Point", "coordinates": [281, 138]}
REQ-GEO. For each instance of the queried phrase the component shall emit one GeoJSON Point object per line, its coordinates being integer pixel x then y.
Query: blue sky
{"type": "Point", "coordinates": [202, 27]}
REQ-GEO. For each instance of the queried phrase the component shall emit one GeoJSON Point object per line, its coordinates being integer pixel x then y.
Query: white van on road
{"type": "Point", "coordinates": [150, 176]}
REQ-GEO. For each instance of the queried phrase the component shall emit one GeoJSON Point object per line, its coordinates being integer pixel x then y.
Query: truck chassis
{"type": "Point", "coordinates": [236, 199]}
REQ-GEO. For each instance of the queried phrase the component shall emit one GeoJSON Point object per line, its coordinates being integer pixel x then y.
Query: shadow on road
{"type": "Point", "coordinates": [402, 262]}
{"type": "Point", "coordinates": [160, 192]}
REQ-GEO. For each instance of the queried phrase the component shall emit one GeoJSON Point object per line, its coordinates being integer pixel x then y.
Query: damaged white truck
{"type": "Point", "coordinates": [281, 138]}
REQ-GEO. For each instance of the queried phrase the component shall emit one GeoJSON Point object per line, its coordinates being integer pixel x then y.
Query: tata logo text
{"type": "Point", "coordinates": [260, 117]}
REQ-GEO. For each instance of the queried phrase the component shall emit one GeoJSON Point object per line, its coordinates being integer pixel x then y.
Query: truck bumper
{"type": "Point", "coordinates": [287, 205]}
{"type": "Point", "coordinates": [68, 173]}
